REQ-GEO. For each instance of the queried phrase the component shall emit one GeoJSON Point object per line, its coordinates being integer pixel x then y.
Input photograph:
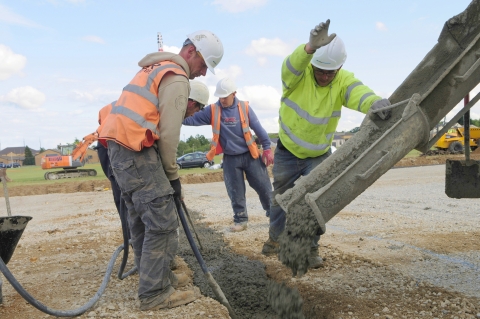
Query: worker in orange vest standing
{"type": "Point", "coordinates": [196, 102]}
{"type": "Point", "coordinates": [231, 120]}
{"type": "Point", "coordinates": [142, 133]}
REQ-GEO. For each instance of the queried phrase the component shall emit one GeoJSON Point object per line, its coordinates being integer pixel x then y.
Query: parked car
{"type": "Point", "coordinates": [12, 165]}
{"type": "Point", "coordinates": [197, 159]}
{"type": "Point", "coordinates": [2, 165]}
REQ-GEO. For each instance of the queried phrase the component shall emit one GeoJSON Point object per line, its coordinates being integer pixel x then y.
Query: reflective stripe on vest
{"type": "Point", "coordinates": [134, 119]}
{"type": "Point", "coordinates": [313, 149]}
{"type": "Point", "coordinates": [245, 122]}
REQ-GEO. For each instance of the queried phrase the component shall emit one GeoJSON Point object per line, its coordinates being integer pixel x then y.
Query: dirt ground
{"type": "Point", "coordinates": [400, 250]}
{"type": "Point", "coordinates": [214, 176]}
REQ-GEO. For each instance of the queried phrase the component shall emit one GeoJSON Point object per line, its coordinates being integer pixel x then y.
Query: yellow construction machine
{"type": "Point", "coordinates": [453, 139]}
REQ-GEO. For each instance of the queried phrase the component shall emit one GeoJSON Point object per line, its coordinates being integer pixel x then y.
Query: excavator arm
{"type": "Point", "coordinates": [81, 150]}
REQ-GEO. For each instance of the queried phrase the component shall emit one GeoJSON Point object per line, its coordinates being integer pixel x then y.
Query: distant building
{"type": "Point", "coordinates": [14, 154]}
{"type": "Point", "coordinates": [339, 138]}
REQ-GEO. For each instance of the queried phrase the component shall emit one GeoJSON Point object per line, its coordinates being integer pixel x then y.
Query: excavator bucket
{"type": "Point", "coordinates": [11, 229]}
{"type": "Point", "coordinates": [462, 179]}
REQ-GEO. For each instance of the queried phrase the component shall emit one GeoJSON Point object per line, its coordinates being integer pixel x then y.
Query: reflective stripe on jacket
{"type": "Point", "coordinates": [309, 113]}
{"type": "Point", "coordinates": [133, 120]}
{"type": "Point", "coordinates": [245, 122]}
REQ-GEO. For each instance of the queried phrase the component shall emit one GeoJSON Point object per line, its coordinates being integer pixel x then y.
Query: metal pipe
{"type": "Point", "coordinates": [211, 281]}
{"type": "Point", "coordinates": [466, 130]}
{"type": "Point", "coordinates": [191, 223]}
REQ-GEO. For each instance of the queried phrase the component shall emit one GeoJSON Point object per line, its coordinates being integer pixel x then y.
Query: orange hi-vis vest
{"type": "Point", "coordinates": [215, 147]}
{"type": "Point", "coordinates": [103, 113]}
{"type": "Point", "coordinates": [133, 120]}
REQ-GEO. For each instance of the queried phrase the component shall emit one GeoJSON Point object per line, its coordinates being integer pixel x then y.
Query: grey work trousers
{"type": "Point", "coordinates": [235, 167]}
{"type": "Point", "coordinates": [152, 215]}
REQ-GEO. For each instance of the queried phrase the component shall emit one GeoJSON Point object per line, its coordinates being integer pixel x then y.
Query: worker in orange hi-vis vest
{"type": "Point", "coordinates": [231, 120]}
{"type": "Point", "coordinates": [141, 133]}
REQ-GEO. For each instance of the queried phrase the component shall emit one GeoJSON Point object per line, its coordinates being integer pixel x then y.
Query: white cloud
{"type": "Point", "coordinates": [172, 49]}
{"type": "Point", "coordinates": [58, 2]}
{"type": "Point", "coordinates": [380, 26]}
{"type": "Point", "coordinates": [264, 46]}
{"type": "Point", "coordinates": [270, 124]}
{"type": "Point", "coordinates": [10, 62]}
{"type": "Point", "coordinates": [235, 6]}
{"type": "Point", "coordinates": [95, 96]}
{"type": "Point", "coordinates": [10, 17]}
{"type": "Point", "coordinates": [25, 97]}
{"type": "Point", "coordinates": [232, 71]}
{"type": "Point", "coordinates": [263, 98]}
{"type": "Point", "coordinates": [262, 61]}
{"type": "Point", "coordinates": [93, 38]}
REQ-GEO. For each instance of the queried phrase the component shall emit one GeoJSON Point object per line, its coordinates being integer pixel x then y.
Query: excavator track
{"type": "Point", "coordinates": [70, 173]}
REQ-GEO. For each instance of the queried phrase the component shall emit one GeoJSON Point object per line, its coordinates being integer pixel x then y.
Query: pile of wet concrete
{"type": "Point", "coordinates": [244, 282]}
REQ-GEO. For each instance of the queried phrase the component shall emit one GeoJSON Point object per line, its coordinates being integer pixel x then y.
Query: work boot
{"type": "Point", "coordinates": [314, 260]}
{"type": "Point", "coordinates": [179, 280]}
{"type": "Point", "coordinates": [173, 264]}
{"type": "Point", "coordinates": [177, 298]}
{"type": "Point", "coordinates": [270, 247]}
{"type": "Point", "coordinates": [238, 227]}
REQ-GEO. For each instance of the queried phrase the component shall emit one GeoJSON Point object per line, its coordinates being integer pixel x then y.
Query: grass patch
{"type": "Point", "coordinates": [34, 175]}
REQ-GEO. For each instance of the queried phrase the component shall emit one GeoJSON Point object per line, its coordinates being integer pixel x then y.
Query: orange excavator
{"type": "Point", "coordinates": [70, 161]}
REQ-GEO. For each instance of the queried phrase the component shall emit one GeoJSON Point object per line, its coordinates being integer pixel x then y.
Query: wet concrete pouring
{"type": "Point", "coordinates": [243, 281]}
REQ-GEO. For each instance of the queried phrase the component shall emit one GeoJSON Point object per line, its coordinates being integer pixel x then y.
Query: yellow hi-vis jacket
{"type": "Point", "coordinates": [215, 147]}
{"type": "Point", "coordinates": [133, 120]}
{"type": "Point", "coordinates": [309, 113]}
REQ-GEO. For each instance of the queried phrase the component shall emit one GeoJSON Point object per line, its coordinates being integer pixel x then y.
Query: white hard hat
{"type": "Point", "coordinates": [209, 46]}
{"type": "Point", "coordinates": [225, 87]}
{"type": "Point", "coordinates": [199, 92]}
{"type": "Point", "coordinates": [331, 56]}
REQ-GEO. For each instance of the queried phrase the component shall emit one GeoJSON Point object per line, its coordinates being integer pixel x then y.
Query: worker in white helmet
{"type": "Point", "coordinates": [231, 120]}
{"type": "Point", "coordinates": [142, 133]}
{"type": "Point", "coordinates": [315, 87]}
{"type": "Point", "coordinates": [197, 99]}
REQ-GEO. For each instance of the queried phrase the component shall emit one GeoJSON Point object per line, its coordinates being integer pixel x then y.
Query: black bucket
{"type": "Point", "coordinates": [11, 229]}
{"type": "Point", "coordinates": [462, 179]}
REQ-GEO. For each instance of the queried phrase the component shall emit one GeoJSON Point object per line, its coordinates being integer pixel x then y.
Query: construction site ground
{"type": "Point", "coordinates": [402, 249]}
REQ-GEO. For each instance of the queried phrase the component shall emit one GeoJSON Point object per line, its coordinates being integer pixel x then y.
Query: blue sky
{"type": "Point", "coordinates": [63, 60]}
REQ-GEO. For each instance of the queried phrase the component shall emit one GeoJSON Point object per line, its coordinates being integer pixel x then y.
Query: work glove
{"type": "Point", "coordinates": [380, 104]}
{"type": "Point", "coordinates": [177, 187]}
{"type": "Point", "coordinates": [267, 157]}
{"type": "Point", "coordinates": [319, 35]}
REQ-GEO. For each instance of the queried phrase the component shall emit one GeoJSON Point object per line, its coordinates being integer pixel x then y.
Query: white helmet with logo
{"type": "Point", "coordinates": [209, 46]}
{"type": "Point", "coordinates": [225, 87]}
{"type": "Point", "coordinates": [199, 92]}
{"type": "Point", "coordinates": [331, 56]}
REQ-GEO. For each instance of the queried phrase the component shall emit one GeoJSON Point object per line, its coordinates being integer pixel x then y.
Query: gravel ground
{"type": "Point", "coordinates": [402, 249]}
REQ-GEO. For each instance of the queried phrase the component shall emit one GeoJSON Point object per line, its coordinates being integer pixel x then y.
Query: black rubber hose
{"type": "Point", "coordinates": [211, 281]}
{"type": "Point", "coordinates": [62, 313]}
{"type": "Point", "coordinates": [126, 242]}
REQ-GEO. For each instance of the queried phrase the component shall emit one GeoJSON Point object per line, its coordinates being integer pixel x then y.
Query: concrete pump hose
{"type": "Point", "coordinates": [126, 244]}
{"type": "Point", "coordinates": [61, 313]}
{"type": "Point", "coordinates": [211, 281]}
